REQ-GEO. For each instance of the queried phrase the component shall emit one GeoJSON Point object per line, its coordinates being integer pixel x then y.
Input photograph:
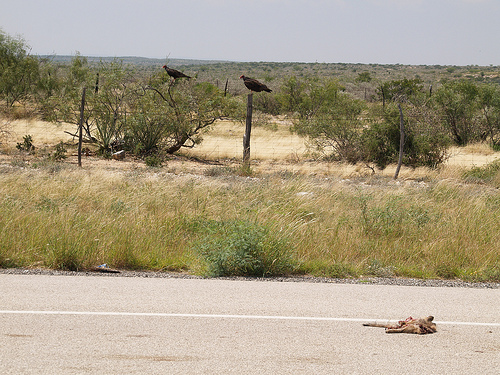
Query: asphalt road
{"type": "Point", "coordinates": [119, 325]}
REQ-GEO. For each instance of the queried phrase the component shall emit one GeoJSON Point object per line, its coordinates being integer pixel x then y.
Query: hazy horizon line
{"type": "Point", "coordinates": [255, 61]}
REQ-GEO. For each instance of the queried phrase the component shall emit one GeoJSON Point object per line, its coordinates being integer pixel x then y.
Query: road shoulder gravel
{"type": "Point", "coordinates": [310, 279]}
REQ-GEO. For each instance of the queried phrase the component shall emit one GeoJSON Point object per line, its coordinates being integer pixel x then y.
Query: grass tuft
{"type": "Point", "coordinates": [487, 174]}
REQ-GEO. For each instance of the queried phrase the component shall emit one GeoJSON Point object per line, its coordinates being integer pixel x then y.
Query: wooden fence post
{"type": "Point", "coordinates": [80, 129]}
{"type": "Point", "coordinates": [248, 129]}
{"type": "Point", "coordinates": [401, 140]}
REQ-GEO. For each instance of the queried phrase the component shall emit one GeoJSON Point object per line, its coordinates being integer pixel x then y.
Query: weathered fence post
{"type": "Point", "coordinates": [96, 90]}
{"type": "Point", "coordinates": [80, 129]}
{"type": "Point", "coordinates": [225, 88]}
{"type": "Point", "coordinates": [248, 129]}
{"type": "Point", "coordinates": [401, 141]}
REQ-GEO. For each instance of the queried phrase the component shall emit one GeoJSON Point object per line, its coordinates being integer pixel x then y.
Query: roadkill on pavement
{"type": "Point", "coordinates": [420, 326]}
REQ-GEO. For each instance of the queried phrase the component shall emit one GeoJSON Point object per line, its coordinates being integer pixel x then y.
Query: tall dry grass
{"type": "Point", "coordinates": [69, 218]}
{"type": "Point", "coordinates": [334, 220]}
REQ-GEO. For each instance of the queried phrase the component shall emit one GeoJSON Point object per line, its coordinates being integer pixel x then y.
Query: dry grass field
{"type": "Point", "coordinates": [273, 148]}
{"type": "Point", "coordinates": [336, 220]}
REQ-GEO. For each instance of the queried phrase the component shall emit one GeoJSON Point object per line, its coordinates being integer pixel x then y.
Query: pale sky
{"type": "Point", "coordinates": [419, 32]}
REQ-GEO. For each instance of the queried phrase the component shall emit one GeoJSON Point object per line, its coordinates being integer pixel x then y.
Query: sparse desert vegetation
{"type": "Point", "coordinates": [319, 197]}
{"type": "Point", "coordinates": [286, 217]}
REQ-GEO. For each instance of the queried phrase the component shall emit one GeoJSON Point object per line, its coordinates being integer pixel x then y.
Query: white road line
{"type": "Point", "coordinates": [222, 316]}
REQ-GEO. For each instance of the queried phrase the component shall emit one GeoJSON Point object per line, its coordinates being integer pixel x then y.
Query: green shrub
{"type": "Point", "coordinates": [60, 152]}
{"type": "Point", "coordinates": [240, 248]}
{"type": "Point", "coordinates": [380, 144]}
{"type": "Point", "coordinates": [26, 145]}
{"type": "Point", "coordinates": [425, 146]}
{"type": "Point", "coordinates": [153, 161]}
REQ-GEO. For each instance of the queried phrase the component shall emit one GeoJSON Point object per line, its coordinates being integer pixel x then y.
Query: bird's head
{"type": "Point", "coordinates": [241, 77]}
{"type": "Point", "coordinates": [164, 67]}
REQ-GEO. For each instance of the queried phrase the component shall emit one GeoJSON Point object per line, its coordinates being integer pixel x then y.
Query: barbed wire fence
{"type": "Point", "coordinates": [269, 145]}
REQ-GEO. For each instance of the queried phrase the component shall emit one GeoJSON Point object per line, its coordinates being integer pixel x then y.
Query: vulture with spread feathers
{"type": "Point", "coordinates": [175, 73]}
{"type": "Point", "coordinates": [254, 85]}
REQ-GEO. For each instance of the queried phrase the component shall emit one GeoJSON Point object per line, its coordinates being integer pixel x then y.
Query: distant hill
{"type": "Point", "coordinates": [136, 60]}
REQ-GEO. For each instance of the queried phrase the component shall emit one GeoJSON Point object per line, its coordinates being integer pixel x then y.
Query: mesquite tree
{"type": "Point", "coordinates": [147, 114]}
{"type": "Point", "coordinates": [178, 112]}
{"type": "Point", "coordinates": [19, 71]}
{"type": "Point", "coordinates": [458, 103]}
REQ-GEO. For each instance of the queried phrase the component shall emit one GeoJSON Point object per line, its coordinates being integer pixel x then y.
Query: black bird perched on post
{"type": "Point", "coordinates": [175, 73]}
{"type": "Point", "coordinates": [254, 85]}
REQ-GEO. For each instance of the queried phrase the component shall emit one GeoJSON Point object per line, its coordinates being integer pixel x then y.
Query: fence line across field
{"type": "Point", "coordinates": [293, 147]}
{"type": "Point", "coordinates": [226, 141]}
{"type": "Point", "coordinates": [269, 146]}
